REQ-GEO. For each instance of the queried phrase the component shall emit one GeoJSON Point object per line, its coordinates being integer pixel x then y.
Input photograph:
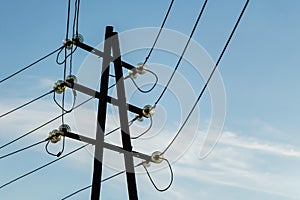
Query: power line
{"type": "Point", "coordinates": [161, 27]}
{"type": "Point", "coordinates": [39, 127]}
{"type": "Point", "coordinates": [146, 131]}
{"type": "Point", "coordinates": [30, 65]}
{"type": "Point", "coordinates": [89, 186]}
{"type": "Point", "coordinates": [209, 78]}
{"type": "Point", "coordinates": [183, 52]}
{"type": "Point", "coordinates": [149, 54]}
{"type": "Point", "coordinates": [20, 150]}
{"type": "Point", "coordinates": [129, 124]}
{"type": "Point", "coordinates": [41, 167]}
{"type": "Point", "coordinates": [153, 86]}
{"type": "Point", "coordinates": [17, 108]}
{"type": "Point", "coordinates": [171, 177]}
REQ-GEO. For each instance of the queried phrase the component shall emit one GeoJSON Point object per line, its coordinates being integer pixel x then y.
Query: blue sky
{"type": "Point", "coordinates": [258, 154]}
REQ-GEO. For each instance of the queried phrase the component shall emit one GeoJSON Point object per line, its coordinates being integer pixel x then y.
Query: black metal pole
{"type": "Point", "coordinates": [101, 117]}
{"type": "Point", "coordinates": [128, 158]}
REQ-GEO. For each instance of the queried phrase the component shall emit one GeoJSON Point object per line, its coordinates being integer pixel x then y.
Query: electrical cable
{"type": "Point", "coordinates": [58, 55]}
{"type": "Point", "coordinates": [126, 77]}
{"type": "Point", "coordinates": [30, 65]}
{"type": "Point", "coordinates": [149, 54]}
{"type": "Point", "coordinates": [60, 152]}
{"type": "Point", "coordinates": [210, 76]}
{"type": "Point", "coordinates": [146, 131]}
{"type": "Point", "coordinates": [19, 150]}
{"type": "Point", "coordinates": [182, 54]}
{"type": "Point", "coordinates": [65, 63]}
{"type": "Point", "coordinates": [149, 90]}
{"type": "Point", "coordinates": [161, 27]}
{"type": "Point", "coordinates": [89, 186]}
{"type": "Point", "coordinates": [171, 177]}
{"type": "Point", "coordinates": [43, 166]}
{"type": "Point", "coordinates": [46, 123]}
{"type": "Point", "coordinates": [74, 101]}
{"type": "Point", "coordinates": [19, 107]}
{"type": "Point", "coordinates": [129, 124]}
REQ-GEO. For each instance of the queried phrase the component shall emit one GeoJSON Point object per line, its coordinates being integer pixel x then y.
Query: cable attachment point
{"type": "Point", "coordinates": [64, 128]}
{"type": "Point", "coordinates": [68, 44]}
{"type": "Point", "coordinates": [140, 68]}
{"type": "Point", "coordinates": [157, 157]}
{"type": "Point", "coordinates": [59, 87]}
{"type": "Point", "coordinates": [148, 111]}
{"type": "Point", "coordinates": [70, 80]}
{"type": "Point", "coordinates": [78, 38]}
{"type": "Point", "coordinates": [146, 163]}
{"type": "Point", "coordinates": [55, 136]}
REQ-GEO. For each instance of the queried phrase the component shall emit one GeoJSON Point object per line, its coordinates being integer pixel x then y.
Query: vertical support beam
{"type": "Point", "coordinates": [101, 117]}
{"type": "Point", "coordinates": [125, 133]}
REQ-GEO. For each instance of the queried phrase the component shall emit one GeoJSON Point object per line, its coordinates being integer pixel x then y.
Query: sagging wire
{"type": "Point", "coordinates": [210, 76]}
{"type": "Point", "coordinates": [62, 108]}
{"type": "Point", "coordinates": [182, 54]}
{"type": "Point", "coordinates": [153, 86]}
{"type": "Point", "coordinates": [32, 145]}
{"type": "Point", "coordinates": [69, 47]}
{"type": "Point", "coordinates": [44, 124]}
{"type": "Point", "coordinates": [19, 107]}
{"type": "Point", "coordinates": [43, 166]}
{"type": "Point", "coordinates": [30, 65]}
{"type": "Point", "coordinates": [146, 131]}
{"type": "Point", "coordinates": [148, 56]}
{"type": "Point", "coordinates": [159, 32]}
{"type": "Point", "coordinates": [171, 177]}
{"type": "Point", "coordinates": [56, 136]}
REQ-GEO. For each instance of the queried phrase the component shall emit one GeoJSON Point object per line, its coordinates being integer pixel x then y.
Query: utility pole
{"type": "Point", "coordinates": [101, 117]}
{"type": "Point", "coordinates": [111, 46]}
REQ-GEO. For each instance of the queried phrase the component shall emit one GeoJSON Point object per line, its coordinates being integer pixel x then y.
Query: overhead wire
{"type": "Point", "coordinates": [22, 149]}
{"type": "Point", "coordinates": [103, 180]}
{"type": "Point", "coordinates": [182, 54]}
{"type": "Point", "coordinates": [159, 32]}
{"type": "Point", "coordinates": [30, 65]}
{"type": "Point", "coordinates": [171, 177]}
{"type": "Point", "coordinates": [65, 63]}
{"type": "Point", "coordinates": [153, 86]}
{"type": "Point", "coordinates": [56, 154]}
{"type": "Point", "coordinates": [73, 104]}
{"type": "Point", "coordinates": [149, 54]}
{"type": "Point", "coordinates": [28, 147]}
{"type": "Point", "coordinates": [44, 124]}
{"type": "Point", "coordinates": [114, 130]}
{"type": "Point", "coordinates": [146, 131]}
{"type": "Point", "coordinates": [210, 76]}
{"type": "Point", "coordinates": [19, 107]}
{"type": "Point", "coordinates": [41, 167]}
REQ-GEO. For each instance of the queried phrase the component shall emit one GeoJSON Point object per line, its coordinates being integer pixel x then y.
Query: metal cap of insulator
{"type": "Point", "coordinates": [59, 87]}
{"type": "Point", "coordinates": [157, 157]}
{"type": "Point", "coordinates": [141, 68]}
{"type": "Point", "coordinates": [148, 111]}
{"type": "Point", "coordinates": [78, 37]}
{"type": "Point", "coordinates": [64, 128]}
{"type": "Point", "coordinates": [71, 79]}
{"type": "Point", "coordinates": [55, 136]}
{"type": "Point", "coordinates": [68, 44]}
